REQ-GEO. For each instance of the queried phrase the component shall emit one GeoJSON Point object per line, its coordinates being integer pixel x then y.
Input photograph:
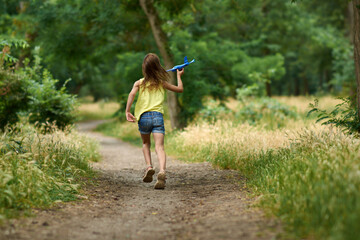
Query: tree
{"type": "Point", "coordinates": [356, 35]}
{"type": "Point", "coordinates": [100, 44]}
{"type": "Point", "coordinates": [353, 19]}
{"type": "Point", "coordinates": [162, 43]}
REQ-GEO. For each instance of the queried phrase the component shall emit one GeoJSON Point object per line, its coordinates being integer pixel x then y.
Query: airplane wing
{"type": "Point", "coordinates": [181, 66]}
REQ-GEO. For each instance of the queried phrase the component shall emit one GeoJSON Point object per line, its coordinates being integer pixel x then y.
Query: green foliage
{"type": "Point", "coordinates": [47, 104]}
{"type": "Point", "coordinates": [38, 169]}
{"type": "Point", "coordinates": [199, 79]}
{"type": "Point", "coordinates": [82, 40]}
{"type": "Point", "coordinates": [128, 70]}
{"type": "Point", "coordinates": [246, 91]}
{"type": "Point", "coordinates": [267, 111]}
{"type": "Point", "coordinates": [13, 97]}
{"type": "Point", "coordinates": [254, 70]}
{"type": "Point", "coordinates": [344, 115]}
{"type": "Point", "coordinates": [120, 113]}
{"type": "Point", "coordinates": [300, 48]}
{"type": "Point", "coordinates": [214, 111]}
{"type": "Point", "coordinates": [343, 67]}
{"type": "Point", "coordinates": [6, 44]}
{"type": "Point", "coordinates": [33, 91]}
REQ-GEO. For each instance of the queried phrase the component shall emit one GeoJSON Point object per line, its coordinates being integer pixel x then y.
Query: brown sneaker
{"type": "Point", "coordinates": [148, 176]}
{"type": "Point", "coordinates": [161, 180]}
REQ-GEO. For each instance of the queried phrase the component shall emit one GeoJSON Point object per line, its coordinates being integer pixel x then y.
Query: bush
{"type": "Point", "coordinates": [268, 111]}
{"type": "Point", "coordinates": [13, 97]}
{"type": "Point", "coordinates": [32, 91]}
{"type": "Point", "coordinates": [47, 104]}
{"type": "Point", "coordinates": [214, 111]}
{"type": "Point", "coordinates": [21, 95]}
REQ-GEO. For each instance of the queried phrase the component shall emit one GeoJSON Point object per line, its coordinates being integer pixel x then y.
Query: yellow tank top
{"type": "Point", "coordinates": [149, 101]}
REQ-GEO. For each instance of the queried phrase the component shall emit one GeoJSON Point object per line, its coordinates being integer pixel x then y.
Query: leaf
{"type": "Point", "coordinates": [311, 111]}
{"type": "Point", "coordinates": [322, 118]}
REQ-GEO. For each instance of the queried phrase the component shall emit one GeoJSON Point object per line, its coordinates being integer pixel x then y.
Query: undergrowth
{"type": "Point", "coordinates": [38, 169]}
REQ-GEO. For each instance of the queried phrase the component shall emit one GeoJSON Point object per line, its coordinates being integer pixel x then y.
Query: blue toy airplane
{"type": "Point", "coordinates": [181, 66]}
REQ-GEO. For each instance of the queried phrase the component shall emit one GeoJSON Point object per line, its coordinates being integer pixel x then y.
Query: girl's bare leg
{"type": "Point", "coordinates": [146, 148]}
{"type": "Point", "coordinates": [160, 151]}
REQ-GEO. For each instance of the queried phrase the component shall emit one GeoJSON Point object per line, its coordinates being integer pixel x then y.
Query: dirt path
{"type": "Point", "coordinates": [199, 202]}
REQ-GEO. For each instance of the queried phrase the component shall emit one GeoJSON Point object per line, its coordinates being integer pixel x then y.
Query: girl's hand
{"type": "Point", "coordinates": [180, 72]}
{"type": "Point", "coordinates": [130, 117]}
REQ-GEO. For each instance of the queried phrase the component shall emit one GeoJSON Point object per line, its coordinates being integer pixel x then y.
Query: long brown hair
{"type": "Point", "coordinates": [154, 73]}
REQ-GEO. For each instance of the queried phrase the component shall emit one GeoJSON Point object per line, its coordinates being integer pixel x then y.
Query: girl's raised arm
{"type": "Point", "coordinates": [130, 101]}
{"type": "Point", "coordinates": [179, 88]}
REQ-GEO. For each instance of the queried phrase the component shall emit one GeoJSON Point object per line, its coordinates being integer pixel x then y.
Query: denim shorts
{"type": "Point", "coordinates": [151, 122]}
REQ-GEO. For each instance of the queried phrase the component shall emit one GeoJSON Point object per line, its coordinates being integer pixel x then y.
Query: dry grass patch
{"type": "Point", "coordinates": [96, 111]}
{"type": "Point", "coordinates": [302, 102]}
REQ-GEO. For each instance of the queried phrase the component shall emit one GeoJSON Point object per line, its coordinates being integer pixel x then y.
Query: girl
{"type": "Point", "coordinates": [149, 112]}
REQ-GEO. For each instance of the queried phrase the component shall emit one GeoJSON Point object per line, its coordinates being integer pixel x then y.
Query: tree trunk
{"type": "Point", "coordinates": [297, 86]}
{"type": "Point", "coordinates": [78, 88]}
{"type": "Point", "coordinates": [162, 43]}
{"type": "Point", "coordinates": [349, 23]}
{"type": "Point", "coordinates": [268, 89]}
{"type": "Point", "coordinates": [321, 78]}
{"type": "Point", "coordinates": [306, 86]}
{"type": "Point", "coordinates": [24, 53]}
{"type": "Point", "coordinates": [327, 80]}
{"type": "Point", "coordinates": [356, 35]}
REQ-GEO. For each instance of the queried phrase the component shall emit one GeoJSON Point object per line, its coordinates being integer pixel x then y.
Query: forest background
{"type": "Point", "coordinates": [278, 47]}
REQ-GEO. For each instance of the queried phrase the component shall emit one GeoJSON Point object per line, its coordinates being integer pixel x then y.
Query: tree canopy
{"type": "Point", "coordinates": [285, 48]}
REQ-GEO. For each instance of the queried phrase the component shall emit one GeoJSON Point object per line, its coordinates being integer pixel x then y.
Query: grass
{"type": "Point", "coordinates": [96, 111]}
{"type": "Point", "coordinates": [312, 184]}
{"type": "Point", "coordinates": [306, 174]}
{"type": "Point", "coordinates": [308, 177]}
{"type": "Point", "coordinates": [38, 169]}
{"type": "Point", "coordinates": [127, 132]}
{"type": "Point", "coordinates": [302, 102]}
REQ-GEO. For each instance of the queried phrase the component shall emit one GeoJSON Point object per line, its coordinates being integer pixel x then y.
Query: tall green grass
{"type": "Point", "coordinates": [306, 174]}
{"type": "Point", "coordinates": [37, 169]}
{"type": "Point", "coordinates": [313, 184]}
{"type": "Point", "coordinates": [309, 178]}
